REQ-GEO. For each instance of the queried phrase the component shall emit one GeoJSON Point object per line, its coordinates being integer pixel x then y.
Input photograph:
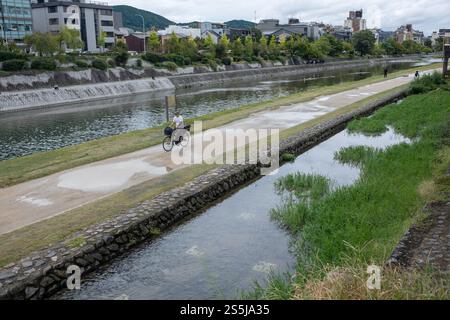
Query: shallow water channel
{"type": "Point", "coordinates": [221, 252]}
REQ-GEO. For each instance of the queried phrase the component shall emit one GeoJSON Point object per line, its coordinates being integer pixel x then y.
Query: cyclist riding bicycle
{"type": "Point", "coordinates": [178, 125]}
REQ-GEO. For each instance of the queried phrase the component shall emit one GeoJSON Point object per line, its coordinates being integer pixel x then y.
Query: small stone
{"type": "Point", "coordinates": [30, 292]}
{"type": "Point", "coordinates": [6, 275]}
{"type": "Point", "coordinates": [27, 264]}
{"type": "Point", "coordinates": [54, 258]}
{"type": "Point", "coordinates": [29, 271]}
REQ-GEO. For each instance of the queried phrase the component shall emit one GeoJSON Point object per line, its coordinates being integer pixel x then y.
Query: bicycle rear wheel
{"type": "Point", "coordinates": [167, 144]}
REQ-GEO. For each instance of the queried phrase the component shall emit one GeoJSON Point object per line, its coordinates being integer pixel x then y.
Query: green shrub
{"type": "Point", "coordinates": [169, 65]}
{"type": "Point", "coordinates": [427, 83]}
{"type": "Point", "coordinates": [178, 59]}
{"type": "Point", "coordinates": [288, 157]}
{"type": "Point", "coordinates": [227, 61]}
{"type": "Point", "coordinates": [8, 55]}
{"type": "Point", "coordinates": [99, 64]}
{"type": "Point", "coordinates": [153, 57]}
{"type": "Point", "coordinates": [14, 65]}
{"type": "Point", "coordinates": [43, 64]}
{"type": "Point", "coordinates": [111, 63]}
{"type": "Point", "coordinates": [139, 63]}
{"type": "Point", "coordinates": [121, 58]}
{"type": "Point", "coordinates": [82, 64]}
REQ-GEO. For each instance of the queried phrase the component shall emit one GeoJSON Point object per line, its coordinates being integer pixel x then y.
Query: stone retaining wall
{"type": "Point", "coordinates": [220, 78]}
{"type": "Point", "coordinates": [43, 273]}
{"type": "Point", "coordinates": [31, 80]}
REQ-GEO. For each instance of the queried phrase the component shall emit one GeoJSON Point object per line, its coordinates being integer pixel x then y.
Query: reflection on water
{"type": "Point", "coordinates": [42, 130]}
{"type": "Point", "coordinates": [221, 252]}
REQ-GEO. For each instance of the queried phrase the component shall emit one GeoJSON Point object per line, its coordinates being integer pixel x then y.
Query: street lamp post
{"type": "Point", "coordinates": [143, 30]}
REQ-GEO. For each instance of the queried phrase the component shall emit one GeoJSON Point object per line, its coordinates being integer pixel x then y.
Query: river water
{"type": "Point", "coordinates": [33, 131]}
{"type": "Point", "coordinates": [221, 252]}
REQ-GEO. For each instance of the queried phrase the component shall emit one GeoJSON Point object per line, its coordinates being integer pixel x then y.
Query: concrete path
{"type": "Point", "coordinates": [40, 199]}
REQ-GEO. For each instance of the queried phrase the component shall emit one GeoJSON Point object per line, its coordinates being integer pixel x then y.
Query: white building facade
{"type": "Point", "coordinates": [91, 18]}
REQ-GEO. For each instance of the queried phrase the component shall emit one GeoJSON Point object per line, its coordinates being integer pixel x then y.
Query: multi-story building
{"type": "Point", "coordinates": [16, 21]}
{"type": "Point", "coordinates": [91, 18]}
{"type": "Point", "coordinates": [355, 21]}
{"type": "Point", "coordinates": [442, 34]}
{"type": "Point", "coordinates": [408, 33]}
{"type": "Point", "coordinates": [381, 35]}
{"type": "Point", "coordinates": [341, 32]}
{"type": "Point", "coordinates": [272, 27]}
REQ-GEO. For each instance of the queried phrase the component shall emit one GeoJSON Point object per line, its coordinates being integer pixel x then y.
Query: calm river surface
{"type": "Point", "coordinates": [41, 130]}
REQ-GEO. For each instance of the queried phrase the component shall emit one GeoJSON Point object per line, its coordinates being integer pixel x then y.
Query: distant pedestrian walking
{"type": "Point", "coordinates": [385, 72]}
{"type": "Point", "coordinates": [417, 75]}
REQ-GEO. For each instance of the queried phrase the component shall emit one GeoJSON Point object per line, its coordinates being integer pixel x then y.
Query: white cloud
{"type": "Point", "coordinates": [426, 15]}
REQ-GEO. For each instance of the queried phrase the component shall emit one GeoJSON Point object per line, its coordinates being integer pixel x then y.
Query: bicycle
{"type": "Point", "coordinates": [176, 137]}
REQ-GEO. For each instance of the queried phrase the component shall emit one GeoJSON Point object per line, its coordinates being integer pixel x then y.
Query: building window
{"type": "Point", "coordinates": [107, 23]}
{"type": "Point", "coordinates": [106, 12]}
{"type": "Point", "coordinates": [53, 21]}
{"type": "Point", "coordinates": [52, 9]}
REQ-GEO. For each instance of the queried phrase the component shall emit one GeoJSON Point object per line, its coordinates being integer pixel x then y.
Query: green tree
{"type": "Point", "coordinates": [274, 49]}
{"type": "Point", "coordinates": [173, 44]}
{"type": "Point", "coordinates": [428, 43]}
{"type": "Point", "coordinates": [101, 40]}
{"type": "Point", "coordinates": [263, 45]}
{"type": "Point", "coordinates": [248, 46]}
{"type": "Point", "coordinates": [237, 49]}
{"type": "Point", "coordinates": [392, 47]}
{"type": "Point", "coordinates": [364, 42]}
{"type": "Point", "coordinates": [209, 42]}
{"type": "Point", "coordinates": [291, 46]}
{"type": "Point", "coordinates": [70, 39]}
{"type": "Point", "coordinates": [154, 45]}
{"type": "Point", "coordinates": [324, 46]}
{"type": "Point", "coordinates": [224, 41]}
{"type": "Point", "coordinates": [439, 44]}
{"type": "Point", "coordinates": [42, 43]}
{"type": "Point", "coordinates": [283, 42]}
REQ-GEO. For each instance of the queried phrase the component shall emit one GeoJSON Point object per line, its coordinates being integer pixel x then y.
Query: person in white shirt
{"type": "Point", "coordinates": [178, 121]}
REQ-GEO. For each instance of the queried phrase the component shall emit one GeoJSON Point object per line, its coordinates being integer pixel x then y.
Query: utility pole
{"type": "Point", "coordinates": [143, 30]}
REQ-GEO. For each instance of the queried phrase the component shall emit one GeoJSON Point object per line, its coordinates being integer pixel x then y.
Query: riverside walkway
{"type": "Point", "coordinates": [30, 202]}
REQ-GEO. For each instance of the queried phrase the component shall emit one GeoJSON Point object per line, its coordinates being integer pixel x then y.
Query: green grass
{"type": "Point", "coordinates": [38, 165]}
{"type": "Point", "coordinates": [355, 155]}
{"type": "Point", "coordinates": [371, 216]}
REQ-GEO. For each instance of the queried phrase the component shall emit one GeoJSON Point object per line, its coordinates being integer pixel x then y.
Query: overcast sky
{"type": "Point", "coordinates": [426, 15]}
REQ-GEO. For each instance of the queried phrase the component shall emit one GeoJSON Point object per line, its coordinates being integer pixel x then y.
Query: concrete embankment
{"type": "Point", "coordinates": [45, 272]}
{"type": "Point", "coordinates": [219, 78]}
{"type": "Point", "coordinates": [90, 85]}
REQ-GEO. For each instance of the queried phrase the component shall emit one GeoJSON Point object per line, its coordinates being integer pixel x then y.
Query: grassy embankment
{"type": "Point", "coordinates": [22, 242]}
{"type": "Point", "coordinates": [38, 165]}
{"type": "Point", "coordinates": [339, 232]}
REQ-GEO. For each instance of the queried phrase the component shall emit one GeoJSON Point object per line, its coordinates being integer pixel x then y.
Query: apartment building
{"type": "Point", "coordinates": [407, 32]}
{"type": "Point", "coordinates": [272, 27]}
{"type": "Point", "coordinates": [16, 21]}
{"type": "Point", "coordinates": [91, 18]}
{"type": "Point", "coordinates": [355, 21]}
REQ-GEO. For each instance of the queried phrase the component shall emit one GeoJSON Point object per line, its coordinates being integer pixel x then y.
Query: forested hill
{"type": "Point", "coordinates": [130, 20]}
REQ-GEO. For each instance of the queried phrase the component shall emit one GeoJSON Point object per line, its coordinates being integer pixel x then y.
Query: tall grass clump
{"type": "Point", "coordinates": [373, 213]}
{"type": "Point", "coordinates": [428, 82]}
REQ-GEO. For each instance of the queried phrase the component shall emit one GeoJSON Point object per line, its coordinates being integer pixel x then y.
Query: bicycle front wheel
{"type": "Point", "coordinates": [167, 144]}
